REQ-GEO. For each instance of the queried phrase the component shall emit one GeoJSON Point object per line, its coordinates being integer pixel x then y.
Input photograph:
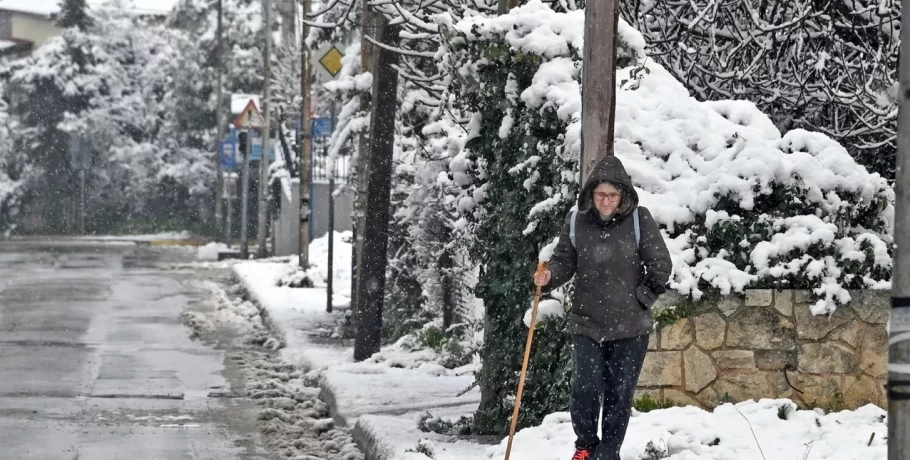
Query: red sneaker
{"type": "Point", "coordinates": [582, 454]}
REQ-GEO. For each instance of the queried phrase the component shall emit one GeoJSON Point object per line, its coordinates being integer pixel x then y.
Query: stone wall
{"type": "Point", "coordinates": [748, 347]}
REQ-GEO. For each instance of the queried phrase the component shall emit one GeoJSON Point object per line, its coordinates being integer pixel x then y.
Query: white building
{"type": "Point", "coordinates": [25, 25]}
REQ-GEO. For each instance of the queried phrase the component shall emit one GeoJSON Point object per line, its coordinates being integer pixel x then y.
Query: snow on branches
{"type": "Point", "coordinates": [740, 204]}
{"type": "Point", "coordinates": [828, 66]}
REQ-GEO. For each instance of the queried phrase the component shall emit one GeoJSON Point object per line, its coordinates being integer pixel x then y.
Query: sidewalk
{"type": "Point", "coordinates": [382, 398]}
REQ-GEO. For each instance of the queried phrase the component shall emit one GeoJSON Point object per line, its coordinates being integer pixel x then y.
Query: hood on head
{"type": "Point", "coordinates": [611, 170]}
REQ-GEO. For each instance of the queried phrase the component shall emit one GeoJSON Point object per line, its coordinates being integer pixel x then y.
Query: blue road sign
{"type": "Point", "coordinates": [322, 127]}
{"type": "Point", "coordinates": [229, 154]}
{"type": "Point", "coordinates": [256, 154]}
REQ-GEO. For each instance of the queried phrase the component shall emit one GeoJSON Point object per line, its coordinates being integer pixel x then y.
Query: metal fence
{"type": "Point", "coordinates": [320, 167]}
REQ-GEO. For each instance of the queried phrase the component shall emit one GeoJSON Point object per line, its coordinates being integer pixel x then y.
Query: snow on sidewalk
{"type": "Point", "coordinates": [386, 396]}
{"type": "Point", "coordinates": [395, 383]}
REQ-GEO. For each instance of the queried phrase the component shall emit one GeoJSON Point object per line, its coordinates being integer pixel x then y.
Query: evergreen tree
{"type": "Point", "coordinates": [74, 13]}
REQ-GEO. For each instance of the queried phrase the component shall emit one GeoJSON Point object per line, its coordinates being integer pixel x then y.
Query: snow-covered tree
{"type": "Point", "coordinates": [142, 97]}
{"type": "Point", "coordinates": [74, 13]}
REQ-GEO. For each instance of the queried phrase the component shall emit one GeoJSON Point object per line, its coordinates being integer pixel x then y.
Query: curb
{"type": "Point", "coordinates": [368, 443]}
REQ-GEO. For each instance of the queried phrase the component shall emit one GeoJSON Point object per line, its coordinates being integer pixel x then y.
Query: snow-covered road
{"type": "Point", "coordinates": [96, 363]}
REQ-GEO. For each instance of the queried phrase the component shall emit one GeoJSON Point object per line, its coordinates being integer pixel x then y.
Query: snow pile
{"type": "Point", "coordinates": [341, 262]}
{"type": "Point", "coordinates": [317, 275]}
{"type": "Point", "coordinates": [741, 205]}
{"type": "Point", "coordinates": [688, 433]}
{"type": "Point", "coordinates": [549, 308]}
{"type": "Point", "coordinates": [210, 251]}
{"type": "Point", "coordinates": [239, 315]}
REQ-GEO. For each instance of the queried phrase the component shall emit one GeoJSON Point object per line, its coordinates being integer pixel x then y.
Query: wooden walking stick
{"type": "Point", "coordinates": [541, 267]}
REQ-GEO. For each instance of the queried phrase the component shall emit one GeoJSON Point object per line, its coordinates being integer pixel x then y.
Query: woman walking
{"type": "Point", "coordinates": [621, 266]}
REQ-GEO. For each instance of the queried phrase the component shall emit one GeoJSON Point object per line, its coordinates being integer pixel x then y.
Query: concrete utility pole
{"type": "Point", "coordinates": [374, 260]}
{"type": "Point", "coordinates": [598, 83]}
{"type": "Point", "coordinates": [219, 127]}
{"type": "Point", "coordinates": [266, 136]}
{"type": "Point", "coordinates": [899, 351]}
{"type": "Point", "coordinates": [306, 145]}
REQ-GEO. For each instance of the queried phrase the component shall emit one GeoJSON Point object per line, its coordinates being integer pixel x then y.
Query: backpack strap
{"type": "Point", "coordinates": [572, 227]}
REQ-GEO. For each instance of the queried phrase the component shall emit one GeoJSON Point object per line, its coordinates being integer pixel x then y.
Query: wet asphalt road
{"type": "Point", "coordinates": [95, 363]}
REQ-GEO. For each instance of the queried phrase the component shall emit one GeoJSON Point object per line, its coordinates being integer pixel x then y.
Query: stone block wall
{"type": "Point", "coordinates": [767, 344]}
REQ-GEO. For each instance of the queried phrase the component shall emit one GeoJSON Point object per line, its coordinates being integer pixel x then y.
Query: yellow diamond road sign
{"type": "Point", "coordinates": [326, 61]}
{"type": "Point", "coordinates": [331, 61]}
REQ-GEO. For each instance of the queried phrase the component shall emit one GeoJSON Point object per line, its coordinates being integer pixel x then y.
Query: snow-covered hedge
{"type": "Point", "coordinates": [740, 204]}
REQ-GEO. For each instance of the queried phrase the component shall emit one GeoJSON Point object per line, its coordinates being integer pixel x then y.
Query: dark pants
{"type": "Point", "coordinates": [607, 370]}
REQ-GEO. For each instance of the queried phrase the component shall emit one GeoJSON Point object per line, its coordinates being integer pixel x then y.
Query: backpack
{"type": "Point", "coordinates": [634, 220]}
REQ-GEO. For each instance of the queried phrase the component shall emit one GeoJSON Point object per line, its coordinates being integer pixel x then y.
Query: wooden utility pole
{"type": "Point", "coordinates": [219, 127]}
{"type": "Point", "coordinates": [306, 146]}
{"type": "Point", "coordinates": [362, 167]}
{"type": "Point", "coordinates": [598, 83]}
{"type": "Point", "coordinates": [266, 137]}
{"type": "Point", "coordinates": [899, 331]}
{"type": "Point", "coordinates": [245, 142]}
{"type": "Point", "coordinates": [374, 260]}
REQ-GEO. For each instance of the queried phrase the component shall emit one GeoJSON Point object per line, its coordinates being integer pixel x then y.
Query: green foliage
{"type": "Point", "coordinates": [686, 308]}
{"type": "Point", "coordinates": [646, 404]}
{"type": "Point", "coordinates": [432, 337]}
{"type": "Point", "coordinates": [448, 344]}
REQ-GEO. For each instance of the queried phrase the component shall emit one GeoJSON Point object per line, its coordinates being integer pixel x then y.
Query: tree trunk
{"type": "Point", "coordinates": [368, 314]}
{"type": "Point", "coordinates": [362, 166]}
{"type": "Point", "coordinates": [449, 299]}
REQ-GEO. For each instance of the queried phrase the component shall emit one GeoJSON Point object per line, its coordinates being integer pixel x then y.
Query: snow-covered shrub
{"type": "Point", "coordinates": [11, 171]}
{"type": "Point", "coordinates": [739, 204]}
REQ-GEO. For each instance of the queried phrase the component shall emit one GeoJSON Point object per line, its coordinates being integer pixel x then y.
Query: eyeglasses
{"type": "Point", "coordinates": [614, 197]}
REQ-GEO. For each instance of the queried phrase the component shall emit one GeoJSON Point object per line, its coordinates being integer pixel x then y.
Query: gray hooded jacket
{"type": "Point", "coordinates": [616, 283]}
